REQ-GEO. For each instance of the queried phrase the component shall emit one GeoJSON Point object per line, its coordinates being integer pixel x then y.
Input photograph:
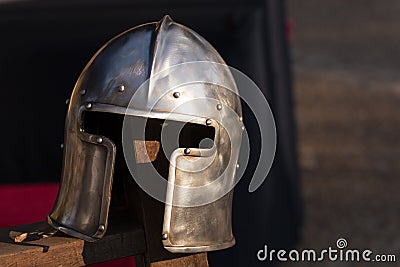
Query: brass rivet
{"type": "Point", "coordinates": [187, 151]}
{"type": "Point", "coordinates": [177, 94]}
{"type": "Point", "coordinates": [99, 140]}
{"type": "Point", "coordinates": [88, 105]}
{"type": "Point", "coordinates": [102, 227]}
{"type": "Point", "coordinates": [164, 236]}
{"type": "Point", "coordinates": [121, 88]}
{"type": "Point", "coordinates": [219, 106]}
{"type": "Point", "coordinates": [208, 122]}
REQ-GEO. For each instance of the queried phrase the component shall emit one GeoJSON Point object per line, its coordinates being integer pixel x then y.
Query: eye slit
{"type": "Point", "coordinates": [102, 123]}
{"type": "Point", "coordinates": [196, 136]}
{"type": "Point", "coordinates": [178, 134]}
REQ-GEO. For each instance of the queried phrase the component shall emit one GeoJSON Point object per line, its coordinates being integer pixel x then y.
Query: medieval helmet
{"type": "Point", "coordinates": [164, 74]}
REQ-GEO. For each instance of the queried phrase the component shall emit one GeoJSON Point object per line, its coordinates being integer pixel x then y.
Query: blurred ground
{"type": "Point", "coordinates": [346, 57]}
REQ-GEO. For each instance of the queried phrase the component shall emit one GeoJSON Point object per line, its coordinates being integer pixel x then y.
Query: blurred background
{"type": "Point", "coordinates": [343, 56]}
{"type": "Point", "coordinates": [346, 64]}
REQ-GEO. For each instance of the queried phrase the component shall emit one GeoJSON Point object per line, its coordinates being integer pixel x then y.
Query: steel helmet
{"type": "Point", "coordinates": [156, 77]}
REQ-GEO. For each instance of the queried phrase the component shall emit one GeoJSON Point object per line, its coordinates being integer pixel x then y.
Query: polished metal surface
{"type": "Point", "coordinates": [108, 84]}
{"type": "Point", "coordinates": [84, 195]}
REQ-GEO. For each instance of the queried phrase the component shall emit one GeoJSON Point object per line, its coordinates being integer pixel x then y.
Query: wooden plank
{"type": "Point", "coordinates": [61, 250]}
{"type": "Point", "coordinates": [146, 151]}
{"type": "Point", "coordinates": [195, 260]}
{"type": "Point", "coordinates": [121, 241]}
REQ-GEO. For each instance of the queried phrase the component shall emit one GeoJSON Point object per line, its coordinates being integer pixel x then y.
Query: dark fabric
{"type": "Point", "coordinates": [271, 215]}
{"type": "Point", "coordinates": [45, 46]}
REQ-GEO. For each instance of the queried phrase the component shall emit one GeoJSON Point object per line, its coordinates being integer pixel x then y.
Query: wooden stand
{"type": "Point", "coordinates": [61, 250]}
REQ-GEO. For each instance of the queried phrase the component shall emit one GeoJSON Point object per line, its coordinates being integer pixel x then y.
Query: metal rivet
{"type": "Point", "coordinates": [164, 236]}
{"type": "Point", "coordinates": [83, 92]}
{"type": "Point", "coordinates": [62, 146]}
{"type": "Point", "coordinates": [187, 151]}
{"type": "Point", "coordinates": [88, 105]}
{"type": "Point", "coordinates": [219, 106]}
{"type": "Point", "coordinates": [67, 101]}
{"type": "Point", "coordinates": [240, 118]}
{"type": "Point", "coordinates": [102, 227]}
{"type": "Point", "coordinates": [99, 140]}
{"type": "Point", "coordinates": [177, 94]}
{"type": "Point", "coordinates": [208, 122]}
{"type": "Point", "coordinates": [237, 166]}
{"type": "Point", "coordinates": [121, 88]}
{"type": "Point", "coordinates": [242, 128]}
